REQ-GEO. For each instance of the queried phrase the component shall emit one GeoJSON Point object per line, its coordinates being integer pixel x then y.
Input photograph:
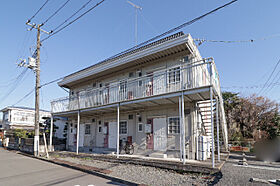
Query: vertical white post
{"type": "Point", "coordinates": [197, 128]}
{"type": "Point", "coordinates": [51, 134]}
{"type": "Point", "coordinates": [183, 125]}
{"type": "Point", "coordinates": [118, 130]}
{"type": "Point", "coordinates": [181, 128]}
{"type": "Point", "coordinates": [211, 107]}
{"type": "Point", "coordinates": [78, 132]}
{"type": "Point", "coordinates": [217, 123]}
{"type": "Point", "coordinates": [212, 127]}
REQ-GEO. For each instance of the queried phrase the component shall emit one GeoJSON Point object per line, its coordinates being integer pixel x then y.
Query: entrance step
{"type": "Point", "coordinates": [158, 155]}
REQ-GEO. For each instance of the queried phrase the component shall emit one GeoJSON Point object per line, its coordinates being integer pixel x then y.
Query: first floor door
{"type": "Point", "coordinates": [81, 135]}
{"type": "Point", "coordinates": [112, 141]}
{"type": "Point", "coordinates": [160, 134]}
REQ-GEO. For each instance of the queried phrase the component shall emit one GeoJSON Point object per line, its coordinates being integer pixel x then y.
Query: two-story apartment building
{"type": "Point", "coordinates": [163, 98]}
{"type": "Point", "coordinates": [21, 117]}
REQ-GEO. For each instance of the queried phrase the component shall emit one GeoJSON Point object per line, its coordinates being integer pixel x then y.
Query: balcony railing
{"type": "Point", "coordinates": [174, 79]}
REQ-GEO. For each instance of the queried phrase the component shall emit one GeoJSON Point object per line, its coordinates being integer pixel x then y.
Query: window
{"type": "Point", "coordinates": [174, 75]}
{"type": "Point", "coordinates": [87, 129]}
{"type": "Point", "coordinates": [131, 74]}
{"type": "Point", "coordinates": [93, 120]}
{"type": "Point", "coordinates": [123, 127]}
{"type": "Point", "coordinates": [94, 85]}
{"type": "Point", "coordinates": [130, 116]}
{"type": "Point", "coordinates": [174, 125]}
{"type": "Point", "coordinates": [140, 127]}
{"type": "Point", "coordinates": [99, 127]}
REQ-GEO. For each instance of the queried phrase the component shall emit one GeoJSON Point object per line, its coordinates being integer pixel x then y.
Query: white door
{"type": "Point", "coordinates": [160, 134]}
{"type": "Point", "coordinates": [81, 135]}
{"type": "Point", "coordinates": [112, 141]}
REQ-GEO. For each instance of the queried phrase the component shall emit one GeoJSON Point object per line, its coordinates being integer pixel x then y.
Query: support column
{"type": "Point", "coordinates": [118, 130]}
{"type": "Point", "coordinates": [78, 132]}
{"type": "Point", "coordinates": [181, 128]}
{"type": "Point", "coordinates": [183, 131]}
{"type": "Point", "coordinates": [212, 127]}
{"type": "Point", "coordinates": [217, 124]}
{"type": "Point", "coordinates": [197, 128]}
{"type": "Point", "coordinates": [51, 134]}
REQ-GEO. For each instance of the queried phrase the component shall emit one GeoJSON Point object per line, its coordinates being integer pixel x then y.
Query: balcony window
{"type": "Point", "coordinates": [123, 127]}
{"type": "Point", "coordinates": [173, 125]}
{"type": "Point", "coordinates": [174, 75]}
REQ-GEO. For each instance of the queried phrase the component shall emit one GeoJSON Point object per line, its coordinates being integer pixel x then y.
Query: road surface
{"type": "Point", "coordinates": [16, 169]}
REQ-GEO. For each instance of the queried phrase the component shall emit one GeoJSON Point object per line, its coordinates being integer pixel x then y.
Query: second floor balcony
{"type": "Point", "coordinates": [178, 78]}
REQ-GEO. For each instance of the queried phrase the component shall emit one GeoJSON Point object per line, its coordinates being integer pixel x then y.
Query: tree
{"type": "Point", "coordinates": [251, 117]}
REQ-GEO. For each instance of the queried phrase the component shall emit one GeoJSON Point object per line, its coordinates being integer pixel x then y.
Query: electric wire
{"type": "Point", "coordinates": [201, 41]}
{"type": "Point", "coordinates": [172, 30]}
{"type": "Point", "coordinates": [15, 85]}
{"type": "Point", "coordinates": [271, 74]}
{"type": "Point", "coordinates": [60, 8]}
{"type": "Point", "coordinates": [53, 33]}
{"type": "Point", "coordinates": [24, 97]}
{"type": "Point", "coordinates": [38, 11]}
{"type": "Point", "coordinates": [45, 84]}
{"type": "Point", "coordinates": [28, 94]}
{"type": "Point", "coordinates": [271, 85]}
{"type": "Point", "coordinates": [71, 16]}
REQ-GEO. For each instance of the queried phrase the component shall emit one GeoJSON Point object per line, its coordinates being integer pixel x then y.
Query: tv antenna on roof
{"type": "Point", "coordinates": [136, 12]}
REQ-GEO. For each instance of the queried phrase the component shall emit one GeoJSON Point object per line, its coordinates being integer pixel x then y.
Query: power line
{"type": "Point", "coordinates": [73, 21]}
{"type": "Point", "coordinates": [250, 86]}
{"type": "Point", "coordinates": [269, 76]}
{"type": "Point", "coordinates": [27, 95]}
{"type": "Point", "coordinates": [201, 41]}
{"type": "Point", "coordinates": [60, 8]}
{"type": "Point", "coordinates": [172, 30]}
{"type": "Point", "coordinates": [45, 84]}
{"type": "Point", "coordinates": [17, 82]}
{"type": "Point", "coordinates": [71, 16]}
{"type": "Point", "coordinates": [38, 11]}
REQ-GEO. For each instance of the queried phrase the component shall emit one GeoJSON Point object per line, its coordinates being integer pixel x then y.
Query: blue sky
{"type": "Point", "coordinates": [109, 29]}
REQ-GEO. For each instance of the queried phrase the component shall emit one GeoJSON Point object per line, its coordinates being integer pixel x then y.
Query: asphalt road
{"type": "Point", "coordinates": [16, 169]}
{"type": "Point", "coordinates": [234, 174]}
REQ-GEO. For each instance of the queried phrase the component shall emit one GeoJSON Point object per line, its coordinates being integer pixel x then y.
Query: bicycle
{"type": "Point", "coordinates": [127, 147]}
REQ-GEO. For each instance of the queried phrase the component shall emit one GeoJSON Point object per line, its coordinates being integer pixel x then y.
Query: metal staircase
{"type": "Point", "coordinates": [204, 110]}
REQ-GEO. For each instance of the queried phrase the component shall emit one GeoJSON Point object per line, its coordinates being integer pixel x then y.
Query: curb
{"type": "Point", "coordinates": [114, 179]}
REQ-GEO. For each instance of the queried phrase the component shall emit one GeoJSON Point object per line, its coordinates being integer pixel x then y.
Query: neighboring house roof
{"type": "Point", "coordinates": [18, 107]}
{"type": "Point", "coordinates": [175, 40]}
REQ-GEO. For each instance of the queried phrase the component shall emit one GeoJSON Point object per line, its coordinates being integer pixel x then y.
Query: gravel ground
{"type": "Point", "coordinates": [240, 175]}
{"type": "Point", "coordinates": [231, 173]}
{"type": "Point", "coordinates": [143, 174]}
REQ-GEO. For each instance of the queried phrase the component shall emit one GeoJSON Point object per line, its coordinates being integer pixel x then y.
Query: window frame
{"type": "Point", "coordinates": [87, 130]}
{"type": "Point", "coordinates": [99, 126]}
{"type": "Point", "coordinates": [177, 128]}
{"type": "Point", "coordinates": [175, 74]}
{"type": "Point", "coordinates": [120, 130]}
{"type": "Point", "coordinates": [138, 127]}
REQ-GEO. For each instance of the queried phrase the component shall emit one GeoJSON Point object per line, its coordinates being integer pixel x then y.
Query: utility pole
{"type": "Point", "coordinates": [136, 19]}
{"type": "Point", "coordinates": [36, 68]}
